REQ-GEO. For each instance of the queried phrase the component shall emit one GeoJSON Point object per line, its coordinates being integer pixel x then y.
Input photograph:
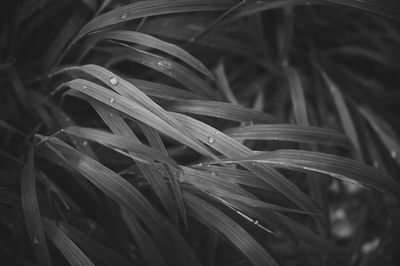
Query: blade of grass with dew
{"type": "Point", "coordinates": [265, 216]}
{"type": "Point", "coordinates": [121, 191]}
{"type": "Point", "coordinates": [231, 149]}
{"type": "Point", "coordinates": [226, 190]}
{"type": "Point", "coordinates": [147, 247]}
{"type": "Point", "coordinates": [119, 127]}
{"type": "Point", "coordinates": [163, 65]}
{"type": "Point", "coordinates": [156, 142]}
{"type": "Point", "coordinates": [344, 114]}
{"type": "Point", "coordinates": [384, 131]}
{"type": "Point", "coordinates": [207, 181]}
{"type": "Point", "coordinates": [220, 110]}
{"type": "Point", "coordinates": [223, 83]}
{"type": "Point", "coordinates": [286, 132]}
{"type": "Point", "coordinates": [30, 208]}
{"type": "Point", "coordinates": [237, 176]}
{"type": "Point", "coordinates": [169, 48]}
{"type": "Point", "coordinates": [150, 8]}
{"type": "Point", "coordinates": [65, 245]}
{"type": "Point", "coordinates": [214, 218]}
{"type": "Point", "coordinates": [134, 110]}
{"type": "Point", "coordinates": [332, 165]}
{"type": "Point", "coordinates": [94, 249]}
{"type": "Point", "coordinates": [119, 142]}
{"type": "Point", "coordinates": [128, 90]}
{"type": "Point", "coordinates": [162, 91]}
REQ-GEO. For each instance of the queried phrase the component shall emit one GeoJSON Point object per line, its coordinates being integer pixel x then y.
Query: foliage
{"type": "Point", "coordinates": [199, 132]}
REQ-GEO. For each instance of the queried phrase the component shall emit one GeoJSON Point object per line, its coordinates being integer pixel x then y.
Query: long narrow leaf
{"type": "Point", "coordinates": [150, 8]}
{"type": "Point", "coordinates": [283, 132]}
{"type": "Point", "coordinates": [332, 165]}
{"type": "Point", "coordinates": [108, 139]}
{"type": "Point", "coordinates": [65, 245]}
{"type": "Point", "coordinates": [221, 110]}
{"type": "Point", "coordinates": [133, 110]}
{"type": "Point", "coordinates": [231, 149]}
{"type": "Point", "coordinates": [214, 218]}
{"type": "Point", "coordinates": [31, 212]}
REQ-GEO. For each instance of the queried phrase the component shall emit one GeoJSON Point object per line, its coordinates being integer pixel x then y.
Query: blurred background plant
{"type": "Point", "coordinates": [199, 132]}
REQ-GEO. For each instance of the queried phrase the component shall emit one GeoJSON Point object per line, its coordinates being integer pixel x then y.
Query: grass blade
{"type": "Point", "coordinates": [149, 8]}
{"type": "Point", "coordinates": [132, 93]}
{"type": "Point", "coordinates": [119, 127]}
{"type": "Point", "coordinates": [133, 110]}
{"type": "Point", "coordinates": [221, 110]}
{"type": "Point", "coordinates": [152, 42]}
{"type": "Point", "coordinates": [223, 83]}
{"type": "Point", "coordinates": [30, 208]}
{"type": "Point", "coordinates": [331, 165]}
{"type": "Point", "coordinates": [285, 132]}
{"type": "Point", "coordinates": [384, 131]}
{"type": "Point", "coordinates": [146, 245]}
{"type": "Point", "coordinates": [163, 65]}
{"type": "Point", "coordinates": [233, 149]}
{"type": "Point", "coordinates": [298, 97]}
{"type": "Point", "coordinates": [120, 190]}
{"type": "Point", "coordinates": [212, 217]}
{"type": "Point", "coordinates": [65, 245]}
{"type": "Point", "coordinates": [163, 91]}
{"type": "Point", "coordinates": [119, 142]}
{"type": "Point", "coordinates": [344, 114]}
{"type": "Point", "coordinates": [96, 250]}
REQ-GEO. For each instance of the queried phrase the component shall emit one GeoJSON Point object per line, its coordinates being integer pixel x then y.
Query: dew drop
{"type": "Point", "coordinates": [111, 114]}
{"type": "Point", "coordinates": [165, 64]}
{"type": "Point", "coordinates": [375, 164]}
{"type": "Point", "coordinates": [216, 132]}
{"type": "Point", "coordinates": [213, 173]}
{"type": "Point", "coordinates": [124, 16]}
{"type": "Point", "coordinates": [114, 81]}
{"type": "Point", "coordinates": [394, 154]}
{"type": "Point", "coordinates": [84, 87]}
{"type": "Point", "coordinates": [35, 241]}
{"type": "Point", "coordinates": [211, 140]}
{"type": "Point", "coordinates": [112, 100]}
{"type": "Point", "coordinates": [161, 171]}
{"type": "Point", "coordinates": [85, 143]}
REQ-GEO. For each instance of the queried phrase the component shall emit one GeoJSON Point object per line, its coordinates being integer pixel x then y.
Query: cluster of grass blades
{"type": "Point", "coordinates": [199, 132]}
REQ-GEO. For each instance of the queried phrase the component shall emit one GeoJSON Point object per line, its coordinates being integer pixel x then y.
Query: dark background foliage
{"type": "Point", "coordinates": [199, 132]}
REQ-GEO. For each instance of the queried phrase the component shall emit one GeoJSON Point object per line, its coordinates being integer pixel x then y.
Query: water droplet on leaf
{"type": "Point", "coordinates": [165, 64]}
{"type": "Point", "coordinates": [114, 81]}
{"type": "Point", "coordinates": [211, 140]}
{"type": "Point", "coordinates": [124, 16]}
{"type": "Point", "coordinates": [85, 143]}
{"type": "Point", "coordinates": [35, 241]}
{"type": "Point", "coordinates": [394, 154]}
{"type": "Point", "coordinates": [112, 100]}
